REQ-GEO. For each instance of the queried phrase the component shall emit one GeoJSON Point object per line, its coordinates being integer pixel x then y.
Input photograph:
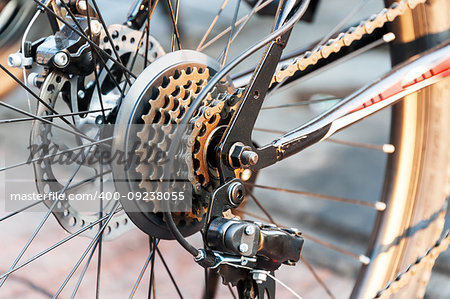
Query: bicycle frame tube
{"type": "Point", "coordinates": [424, 70]}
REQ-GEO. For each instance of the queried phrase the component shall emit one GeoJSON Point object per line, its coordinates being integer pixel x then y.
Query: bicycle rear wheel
{"type": "Point", "coordinates": [417, 173]}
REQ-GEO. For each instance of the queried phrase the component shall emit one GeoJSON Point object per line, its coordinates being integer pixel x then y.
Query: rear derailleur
{"type": "Point", "coordinates": [245, 253]}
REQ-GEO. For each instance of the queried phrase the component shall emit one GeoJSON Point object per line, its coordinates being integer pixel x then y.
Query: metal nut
{"type": "Point", "coordinates": [259, 276]}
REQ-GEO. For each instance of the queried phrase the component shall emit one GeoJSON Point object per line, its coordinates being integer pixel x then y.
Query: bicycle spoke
{"type": "Point", "coordinates": [50, 210]}
{"type": "Point", "coordinates": [379, 206]}
{"type": "Point", "coordinates": [77, 286]}
{"type": "Point", "coordinates": [218, 36]}
{"type": "Point", "coordinates": [211, 26]}
{"type": "Point", "coordinates": [94, 240]}
{"type": "Point", "coordinates": [363, 259]}
{"type": "Point", "coordinates": [147, 38]}
{"type": "Point", "coordinates": [111, 42]}
{"type": "Point", "coordinates": [242, 26]}
{"type": "Point", "coordinates": [175, 25]}
{"type": "Point", "coordinates": [16, 120]}
{"type": "Point", "coordinates": [88, 180]}
{"type": "Point", "coordinates": [6, 105]}
{"type": "Point", "coordinates": [342, 23]}
{"type": "Point", "coordinates": [144, 268]}
{"type": "Point", "coordinates": [54, 246]}
{"type": "Point", "coordinates": [359, 257]}
{"type": "Point", "coordinates": [151, 288]}
{"type": "Point", "coordinates": [23, 85]}
{"type": "Point", "coordinates": [231, 291]}
{"type": "Point", "coordinates": [100, 240]}
{"type": "Point", "coordinates": [317, 277]}
{"type": "Point", "coordinates": [300, 103]}
{"type": "Point", "coordinates": [169, 272]}
{"type": "Point", "coordinates": [230, 37]}
{"type": "Point", "coordinates": [260, 206]}
{"type": "Point", "coordinates": [97, 83]}
{"type": "Point", "coordinates": [21, 210]}
{"type": "Point", "coordinates": [386, 148]}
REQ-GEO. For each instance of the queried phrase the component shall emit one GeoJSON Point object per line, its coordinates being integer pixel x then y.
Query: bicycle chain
{"type": "Point", "coordinates": [345, 39]}
{"type": "Point", "coordinates": [426, 260]}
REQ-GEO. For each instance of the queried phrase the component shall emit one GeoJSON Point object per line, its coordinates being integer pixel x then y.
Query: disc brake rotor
{"type": "Point", "coordinates": [79, 94]}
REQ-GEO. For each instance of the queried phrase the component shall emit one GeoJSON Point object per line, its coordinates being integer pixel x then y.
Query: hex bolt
{"type": "Point", "coordinates": [243, 248]}
{"type": "Point", "coordinates": [61, 59]}
{"type": "Point", "coordinates": [259, 276]}
{"type": "Point", "coordinates": [249, 230]}
{"type": "Point", "coordinates": [235, 193]}
{"type": "Point", "coordinates": [249, 158]}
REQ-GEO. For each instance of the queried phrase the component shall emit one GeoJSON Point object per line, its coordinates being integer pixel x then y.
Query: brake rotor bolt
{"type": "Point", "coordinates": [32, 79]}
{"type": "Point", "coordinates": [61, 59]}
{"type": "Point", "coordinates": [96, 27]}
{"type": "Point", "coordinates": [249, 158]}
{"type": "Point", "coordinates": [249, 230]}
{"type": "Point", "coordinates": [243, 248]}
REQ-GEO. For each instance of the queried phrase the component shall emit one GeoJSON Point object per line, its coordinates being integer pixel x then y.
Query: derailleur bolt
{"type": "Point", "coordinates": [249, 158]}
{"type": "Point", "coordinates": [243, 248]}
{"type": "Point", "coordinates": [249, 230]}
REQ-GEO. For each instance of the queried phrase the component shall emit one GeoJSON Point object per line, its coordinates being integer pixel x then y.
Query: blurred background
{"type": "Point", "coordinates": [329, 168]}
